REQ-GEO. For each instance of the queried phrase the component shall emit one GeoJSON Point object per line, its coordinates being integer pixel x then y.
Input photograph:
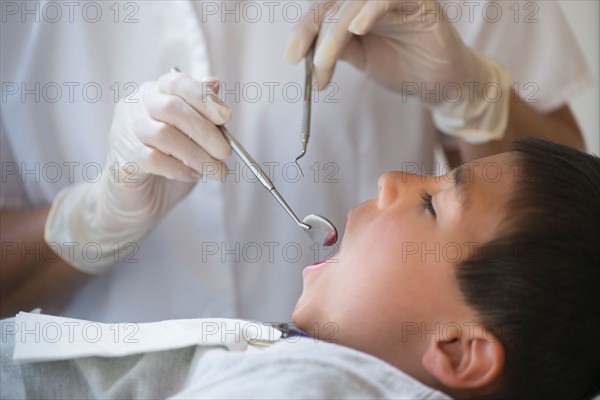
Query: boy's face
{"type": "Point", "coordinates": [391, 288]}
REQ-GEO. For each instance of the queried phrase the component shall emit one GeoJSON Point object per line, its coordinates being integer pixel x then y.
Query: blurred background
{"type": "Point", "coordinates": [584, 19]}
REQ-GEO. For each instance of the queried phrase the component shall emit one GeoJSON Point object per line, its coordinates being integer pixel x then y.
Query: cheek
{"type": "Point", "coordinates": [386, 241]}
{"type": "Point", "coordinates": [371, 272]}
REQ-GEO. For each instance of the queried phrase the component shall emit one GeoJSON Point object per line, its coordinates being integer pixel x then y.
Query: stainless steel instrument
{"type": "Point", "coordinates": [307, 106]}
{"type": "Point", "coordinates": [318, 228]}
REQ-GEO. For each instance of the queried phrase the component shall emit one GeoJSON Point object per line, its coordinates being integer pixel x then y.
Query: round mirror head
{"type": "Point", "coordinates": [321, 230]}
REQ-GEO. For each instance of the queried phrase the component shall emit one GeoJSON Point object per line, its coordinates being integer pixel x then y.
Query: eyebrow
{"type": "Point", "coordinates": [461, 185]}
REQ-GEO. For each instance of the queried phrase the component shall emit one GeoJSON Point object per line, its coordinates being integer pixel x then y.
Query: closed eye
{"type": "Point", "coordinates": [428, 204]}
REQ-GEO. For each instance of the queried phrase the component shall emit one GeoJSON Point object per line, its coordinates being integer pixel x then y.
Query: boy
{"type": "Point", "coordinates": [481, 283]}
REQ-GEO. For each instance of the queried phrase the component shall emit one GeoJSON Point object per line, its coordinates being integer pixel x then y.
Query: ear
{"type": "Point", "coordinates": [465, 362]}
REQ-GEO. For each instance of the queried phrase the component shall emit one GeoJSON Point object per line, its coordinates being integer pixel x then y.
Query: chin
{"type": "Point", "coordinates": [298, 314]}
{"type": "Point", "coordinates": [302, 316]}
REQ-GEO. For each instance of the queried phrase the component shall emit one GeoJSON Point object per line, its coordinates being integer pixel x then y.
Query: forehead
{"type": "Point", "coordinates": [486, 187]}
{"type": "Point", "coordinates": [496, 170]}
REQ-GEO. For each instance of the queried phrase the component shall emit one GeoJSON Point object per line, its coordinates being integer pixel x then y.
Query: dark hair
{"type": "Point", "coordinates": [539, 293]}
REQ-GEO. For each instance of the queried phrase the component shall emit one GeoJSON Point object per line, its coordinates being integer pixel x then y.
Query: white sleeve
{"type": "Point", "coordinates": [533, 41]}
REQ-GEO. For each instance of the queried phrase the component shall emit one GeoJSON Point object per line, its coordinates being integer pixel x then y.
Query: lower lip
{"type": "Point", "coordinates": [313, 267]}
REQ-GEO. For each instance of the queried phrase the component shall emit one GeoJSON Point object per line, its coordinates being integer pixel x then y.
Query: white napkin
{"type": "Point", "coordinates": [41, 337]}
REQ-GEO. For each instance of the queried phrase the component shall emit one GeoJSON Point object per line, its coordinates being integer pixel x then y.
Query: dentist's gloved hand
{"type": "Point", "coordinates": [409, 47]}
{"type": "Point", "coordinates": [160, 146]}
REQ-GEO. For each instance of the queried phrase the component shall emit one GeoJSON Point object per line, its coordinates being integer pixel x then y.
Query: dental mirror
{"type": "Point", "coordinates": [320, 230]}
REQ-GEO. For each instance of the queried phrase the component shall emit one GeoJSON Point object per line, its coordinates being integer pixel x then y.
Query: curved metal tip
{"type": "Point", "coordinates": [298, 165]}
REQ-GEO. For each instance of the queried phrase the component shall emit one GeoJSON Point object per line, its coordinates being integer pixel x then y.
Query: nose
{"type": "Point", "coordinates": [390, 187]}
{"type": "Point", "coordinates": [397, 185]}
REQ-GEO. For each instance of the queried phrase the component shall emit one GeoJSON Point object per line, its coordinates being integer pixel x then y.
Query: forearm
{"type": "Point", "coordinates": [31, 274]}
{"type": "Point", "coordinates": [523, 121]}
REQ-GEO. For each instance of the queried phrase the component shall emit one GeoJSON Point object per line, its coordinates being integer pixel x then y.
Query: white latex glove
{"type": "Point", "coordinates": [406, 48]}
{"type": "Point", "coordinates": [159, 149]}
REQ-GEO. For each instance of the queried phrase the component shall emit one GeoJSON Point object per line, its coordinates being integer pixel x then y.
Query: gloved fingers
{"type": "Point", "coordinates": [139, 160]}
{"type": "Point", "coordinates": [156, 162]}
{"type": "Point", "coordinates": [355, 53]}
{"type": "Point", "coordinates": [304, 33]}
{"type": "Point", "coordinates": [198, 94]}
{"type": "Point", "coordinates": [378, 58]}
{"type": "Point", "coordinates": [187, 158]}
{"type": "Point", "coordinates": [371, 13]}
{"type": "Point", "coordinates": [333, 38]}
{"type": "Point", "coordinates": [201, 97]}
{"type": "Point", "coordinates": [213, 84]}
{"type": "Point", "coordinates": [171, 168]}
{"type": "Point", "coordinates": [173, 110]}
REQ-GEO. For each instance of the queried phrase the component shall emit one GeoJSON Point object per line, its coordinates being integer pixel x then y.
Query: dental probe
{"type": "Point", "coordinates": [318, 228]}
{"type": "Point", "coordinates": [307, 106]}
